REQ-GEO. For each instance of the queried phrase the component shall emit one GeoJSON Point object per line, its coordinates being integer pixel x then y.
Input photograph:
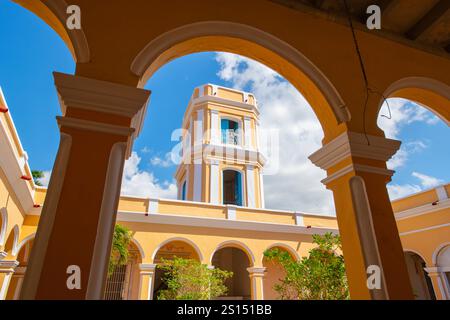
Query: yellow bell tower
{"type": "Point", "coordinates": [221, 162]}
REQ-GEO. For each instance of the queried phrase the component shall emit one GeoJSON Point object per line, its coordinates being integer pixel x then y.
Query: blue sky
{"type": "Point", "coordinates": [31, 51]}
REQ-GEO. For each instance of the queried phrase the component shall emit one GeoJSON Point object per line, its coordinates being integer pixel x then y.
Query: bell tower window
{"type": "Point", "coordinates": [230, 132]}
{"type": "Point", "coordinates": [232, 187]}
{"type": "Point", "coordinates": [183, 191]}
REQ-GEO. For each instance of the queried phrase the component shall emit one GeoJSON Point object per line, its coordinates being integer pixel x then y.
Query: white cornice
{"type": "Point", "coordinates": [100, 96]}
{"type": "Point", "coordinates": [256, 271]}
{"type": "Point", "coordinates": [425, 229]}
{"type": "Point", "coordinates": [14, 167]}
{"type": "Point", "coordinates": [425, 209]}
{"type": "Point", "coordinates": [147, 267]}
{"type": "Point", "coordinates": [356, 168]}
{"type": "Point", "coordinates": [94, 126]}
{"type": "Point", "coordinates": [355, 145]}
{"type": "Point", "coordinates": [8, 265]}
{"type": "Point", "coordinates": [220, 223]}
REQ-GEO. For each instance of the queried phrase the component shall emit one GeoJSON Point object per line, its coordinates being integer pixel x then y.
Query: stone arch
{"type": "Point", "coordinates": [139, 247]}
{"type": "Point", "coordinates": [429, 93]}
{"type": "Point", "coordinates": [53, 13]}
{"type": "Point", "coordinates": [24, 248]}
{"type": "Point", "coordinates": [294, 254]}
{"type": "Point", "coordinates": [443, 257]}
{"type": "Point", "coordinates": [236, 257]}
{"type": "Point", "coordinates": [3, 225]}
{"type": "Point", "coordinates": [24, 241]}
{"type": "Point", "coordinates": [274, 271]}
{"type": "Point", "coordinates": [419, 278]}
{"type": "Point", "coordinates": [180, 239]}
{"type": "Point", "coordinates": [255, 44]}
{"type": "Point", "coordinates": [123, 283]}
{"type": "Point", "coordinates": [235, 244]}
{"type": "Point", "coordinates": [12, 242]}
{"type": "Point", "coordinates": [437, 251]}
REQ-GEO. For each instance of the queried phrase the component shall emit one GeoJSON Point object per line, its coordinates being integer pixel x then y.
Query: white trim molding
{"type": "Point", "coordinates": [425, 229]}
{"type": "Point", "coordinates": [3, 226]}
{"type": "Point", "coordinates": [356, 145]}
{"type": "Point", "coordinates": [217, 223]}
{"type": "Point", "coordinates": [143, 64]}
{"type": "Point", "coordinates": [423, 83]}
{"type": "Point", "coordinates": [105, 97]}
{"type": "Point", "coordinates": [421, 210]}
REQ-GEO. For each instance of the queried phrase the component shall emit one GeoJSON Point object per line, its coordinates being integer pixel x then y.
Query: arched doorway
{"type": "Point", "coordinates": [170, 250]}
{"type": "Point", "coordinates": [236, 260]}
{"type": "Point", "coordinates": [274, 274]}
{"type": "Point", "coordinates": [123, 283]}
{"type": "Point", "coordinates": [420, 281]}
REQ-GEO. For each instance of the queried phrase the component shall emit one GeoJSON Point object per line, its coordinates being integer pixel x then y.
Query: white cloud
{"type": "Point", "coordinates": [141, 183]}
{"type": "Point", "coordinates": [402, 190]}
{"type": "Point", "coordinates": [402, 155]}
{"type": "Point", "coordinates": [163, 162]}
{"type": "Point", "coordinates": [399, 191]}
{"type": "Point", "coordinates": [297, 184]}
{"type": "Point", "coordinates": [427, 181]}
{"type": "Point", "coordinates": [403, 112]}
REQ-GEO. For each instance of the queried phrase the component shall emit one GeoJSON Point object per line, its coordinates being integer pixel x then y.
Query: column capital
{"type": "Point", "coordinates": [354, 144]}
{"type": "Point", "coordinates": [368, 154]}
{"type": "Point", "coordinates": [147, 268]}
{"type": "Point", "coordinates": [436, 271]}
{"type": "Point", "coordinates": [256, 271]}
{"type": "Point", "coordinates": [102, 97]}
{"type": "Point", "coordinates": [8, 266]}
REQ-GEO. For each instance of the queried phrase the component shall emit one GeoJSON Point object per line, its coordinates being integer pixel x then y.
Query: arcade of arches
{"type": "Point", "coordinates": [104, 105]}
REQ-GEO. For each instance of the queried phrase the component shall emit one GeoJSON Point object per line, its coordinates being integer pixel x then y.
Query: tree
{"type": "Point", "coordinates": [320, 276]}
{"type": "Point", "coordinates": [37, 175]}
{"type": "Point", "coordinates": [119, 250]}
{"type": "Point", "coordinates": [188, 279]}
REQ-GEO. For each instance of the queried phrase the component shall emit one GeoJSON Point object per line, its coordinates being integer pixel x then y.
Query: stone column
{"type": "Point", "coordinates": [7, 268]}
{"type": "Point", "coordinates": [214, 195]}
{"type": "Point", "coordinates": [147, 280]}
{"type": "Point", "coordinates": [357, 175]}
{"type": "Point", "coordinates": [256, 280]}
{"type": "Point", "coordinates": [250, 182]}
{"type": "Point", "coordinates": [71, 250]}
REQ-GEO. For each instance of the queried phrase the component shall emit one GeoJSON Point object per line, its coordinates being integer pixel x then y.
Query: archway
{"type": "Point", "coordinates": [443, 264]}
{"type": "Point", "coordinates": [23, 256]}
{"type": "Point", "coordinates": [422, 130]}
{"type": "Point", "coordinates": [235, 259]}
{"type": "Point", "coordinates": [123, 283]}
{"type": "Point", "coordinates": [167, 251]}
{"type": "Point", "coordinates": [275, 273]}
{"type": "Point", "coordinates": [221, 36]}
{"type": "Point", "coordinates": [429, 93]}
{"type": "Point", "coordinates": [12, 241]}
{"type": "Point", "coordinates": [3, 225]}
{"type": "Point", "coordinates": [420, 281]}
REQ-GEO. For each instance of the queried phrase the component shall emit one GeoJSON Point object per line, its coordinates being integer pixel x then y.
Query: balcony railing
{"type": "Point", "coordinates": [230, 137]}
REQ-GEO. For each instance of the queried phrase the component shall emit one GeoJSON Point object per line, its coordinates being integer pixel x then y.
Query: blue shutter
{"type": "Point", "coordinates": [183, 191]}
{"type": "Point", "coordinates": [238, 189]}
{"type": "Point", "coordinates": [224, 129]}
